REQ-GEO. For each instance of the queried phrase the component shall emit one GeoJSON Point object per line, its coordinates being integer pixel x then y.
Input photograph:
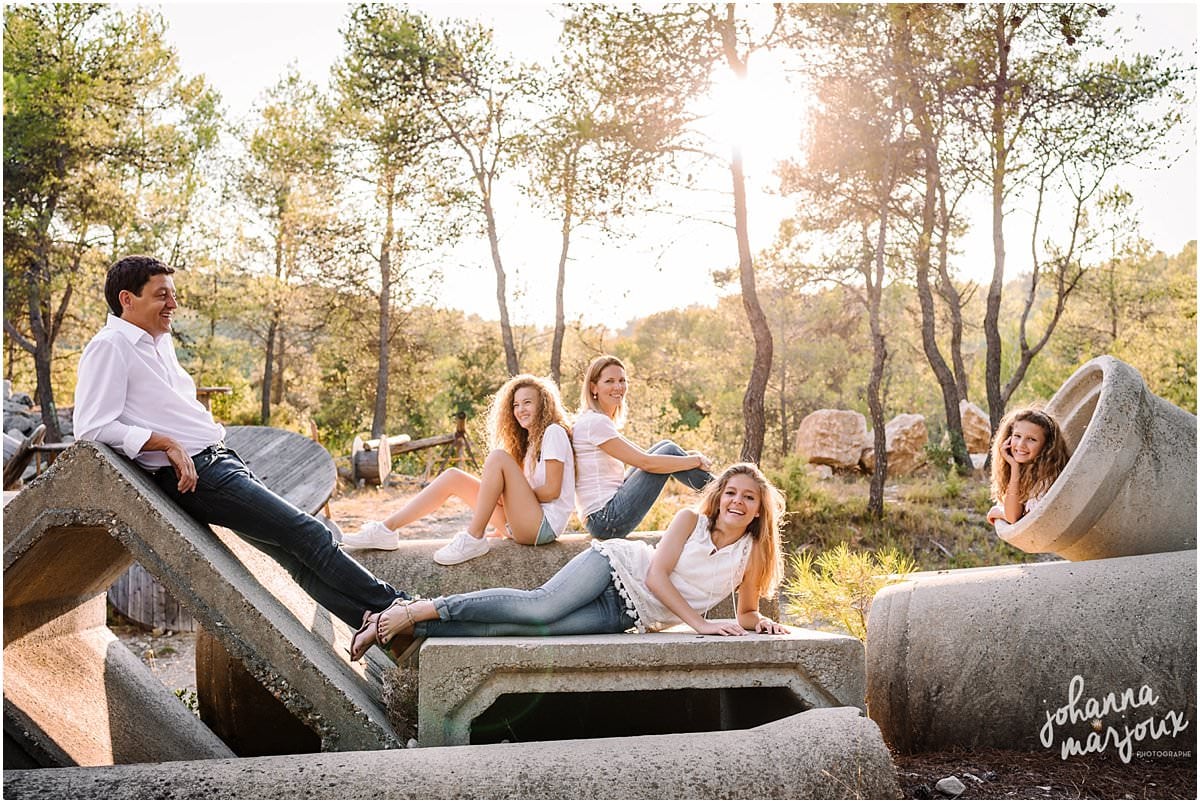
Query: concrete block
{"type": "Point", "coordinates": [462, 678]}
{"type": "Point", "coordinates": [76, 528]}
{"type": "Point", "coordinates": [829, 753]}
{"type": "Point", "coordinates": [1130, 486]}
{"type": "Point", "coordinates": [983, 657]}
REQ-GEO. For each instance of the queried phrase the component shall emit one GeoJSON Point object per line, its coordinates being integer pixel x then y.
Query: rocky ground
{"type": "Point", "coordinates": [983, 774]}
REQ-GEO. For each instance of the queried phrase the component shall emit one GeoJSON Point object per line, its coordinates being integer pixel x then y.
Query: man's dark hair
{"type": "Point", "coordinates": [130, 273]}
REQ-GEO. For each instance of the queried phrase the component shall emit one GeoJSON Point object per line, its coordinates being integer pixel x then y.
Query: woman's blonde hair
{"type": "Point", "coordinates": [503, 430]}
{"type": "Point", "coordinates": [592, 375]}
{"type": "Point", "coordinates": [1045, 468]}
{"type": "Point", "coordinates": [766, 556]}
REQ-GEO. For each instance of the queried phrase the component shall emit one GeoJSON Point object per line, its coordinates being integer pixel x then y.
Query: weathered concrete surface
{"type": "Point", "coordinates": [831, 753]}
{"type": "Point", "coordinates": [832, 437]}
{"type": "Point", "coordinates": [1130, 487]}
{"type": "Point", "coordinates": [980, 657]}
{"type": "Point", "coordinates": [461, 677]}
{"type": "Point", "coordinates": [106, 706]}
{"type": "Point", "coordinates": [77, 527]}
{"type": "Point", "coordinates": [506, 565]}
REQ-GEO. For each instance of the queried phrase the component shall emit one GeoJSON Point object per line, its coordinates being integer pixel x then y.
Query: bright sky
{"type": "Point", "coordinates": [243, 48]}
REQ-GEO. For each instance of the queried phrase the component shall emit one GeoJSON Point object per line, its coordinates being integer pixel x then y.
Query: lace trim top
{"type": "Point", "coordinates": [703, 575]}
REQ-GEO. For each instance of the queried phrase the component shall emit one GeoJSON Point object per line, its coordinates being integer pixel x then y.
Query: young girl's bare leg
{"type": "Point", "coordinates": [503, 479]}
{"type": "Point", "coordinates": [450, 482]}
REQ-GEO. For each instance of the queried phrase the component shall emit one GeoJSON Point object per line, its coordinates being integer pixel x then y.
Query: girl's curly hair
{"type": "Point", "coordinates": [503, 430]}
{"type": "Point", "coordinates": [1045, 468]}
{"type": "Point", "coordinates": [766, 557]}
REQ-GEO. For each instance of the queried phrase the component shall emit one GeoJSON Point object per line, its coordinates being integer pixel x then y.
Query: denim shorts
{"type": "Point", "coordinates": [545, 533]}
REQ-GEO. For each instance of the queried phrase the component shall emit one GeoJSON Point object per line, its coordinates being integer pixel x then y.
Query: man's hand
{"type": "Point", "coordinates": [185, 469]}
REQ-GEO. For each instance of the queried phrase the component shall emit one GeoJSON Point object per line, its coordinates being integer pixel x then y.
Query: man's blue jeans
{"type": "Point", "coordinates": [227, 494]}
{"type": "Point", "coordinates": [578, 600]}
{"type": "Point", "coordinates": [624, 512]}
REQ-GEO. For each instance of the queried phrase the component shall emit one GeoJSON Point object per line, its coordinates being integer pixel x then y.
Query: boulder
{"type": "Point", "coordinates": [832, 437]}
{"type": "Point", "coordinates": [906, 436]}
{"type": "Point", "coordinates": [22, 422]}
{"type": "Point", "coordinates": [977, 428]}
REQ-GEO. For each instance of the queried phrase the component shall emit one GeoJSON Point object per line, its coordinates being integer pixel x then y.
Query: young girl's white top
{"type": "Point", "coordinates": [704, 575]}
{"type": "Point", "coordinates": [556, 445]}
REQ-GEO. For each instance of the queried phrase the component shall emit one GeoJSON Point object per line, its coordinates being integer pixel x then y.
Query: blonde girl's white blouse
{"type": "Point", "coordinates": [704, 575]}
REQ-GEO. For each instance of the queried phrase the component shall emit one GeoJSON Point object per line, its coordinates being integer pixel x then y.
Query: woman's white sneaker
{"type": "Point", "coordinates": [461, 548]}
{"type": "Point", "coordinates": [373, 535]}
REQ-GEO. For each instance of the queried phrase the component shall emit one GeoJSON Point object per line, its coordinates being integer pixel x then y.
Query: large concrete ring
{"type": "Point", "coordinates": [1130, 486]}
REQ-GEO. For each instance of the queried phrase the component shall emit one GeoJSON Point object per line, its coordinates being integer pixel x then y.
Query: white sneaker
{"type": "Point", "coordinates": [461, 548]}
{"type": "Point", "coordinates": [373, 535]}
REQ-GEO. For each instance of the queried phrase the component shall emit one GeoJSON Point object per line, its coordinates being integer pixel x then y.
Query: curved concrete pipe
{"type": "Point", "coordinates": [1130, 486]}
{"type": "Point", "coordinates": [828, 753]}
{"type": "Point", "coordinates": [981, 657]}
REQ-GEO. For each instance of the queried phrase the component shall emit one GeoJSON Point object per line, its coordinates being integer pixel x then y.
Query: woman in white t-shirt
{"type": "Point", "coordinates": [730, 543]}
{"type": "Point", "coordinates": [612, 501]}
{"type": "Point", "coordinates": [527, 486]}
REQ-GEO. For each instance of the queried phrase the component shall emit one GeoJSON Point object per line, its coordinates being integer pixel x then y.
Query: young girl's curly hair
{"type": "Point", "coordinates": [503, 430]}
{"type": "Point", "coordinates": [1045, 468]}
{"type": "Point", "coordinates": [766, 557]}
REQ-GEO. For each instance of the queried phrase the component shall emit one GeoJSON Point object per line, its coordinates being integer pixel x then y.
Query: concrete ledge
{"type": "Point", "coordinates": [76, 528]}
{"type": "Point", "coordinates": [460, 678]}
{"type": "Point", "coordinates": [822, 754]}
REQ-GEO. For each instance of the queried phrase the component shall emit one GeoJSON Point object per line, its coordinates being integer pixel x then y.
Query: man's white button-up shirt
{"type": "Point", "coordinates": [132, 385]}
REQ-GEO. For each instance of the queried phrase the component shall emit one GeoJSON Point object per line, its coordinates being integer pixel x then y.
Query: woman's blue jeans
{"type": "Point", "coordinates": [579, 599]}
{"type": "Point", "coordinates": [229, 495]}
{"type": "Point", "coordinates": [624, 512]}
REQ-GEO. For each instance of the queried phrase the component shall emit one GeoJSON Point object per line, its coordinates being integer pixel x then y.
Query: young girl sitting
{"type": "Point", "coordinates": [528, 482]}
{"type": "Point", "coordinates": [611, 502]}
{"type": "Point", "coordinates": [1028, 454]}
{"type": "Point", "coordinates": [731, 543]}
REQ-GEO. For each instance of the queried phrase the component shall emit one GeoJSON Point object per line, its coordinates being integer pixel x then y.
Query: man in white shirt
{"type": "Point", "coordinates": [134, 396]}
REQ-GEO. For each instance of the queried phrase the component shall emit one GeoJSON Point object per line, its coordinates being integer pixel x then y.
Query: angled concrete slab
{"type": "Point", "coordinates": [461, 679]}
{"type": "Point", "coordinates": [72, 532]}
{"type": "Point", "coordinates": [832, 753]}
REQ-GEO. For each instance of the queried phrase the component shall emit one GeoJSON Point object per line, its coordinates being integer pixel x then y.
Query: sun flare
{"type": "Point", "coordinates": [762, 113]}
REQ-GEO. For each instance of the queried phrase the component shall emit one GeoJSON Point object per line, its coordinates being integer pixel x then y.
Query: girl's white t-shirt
{"type": "Point", "coordinates": [556, 445]}
{"type": "Point", "coordinates": [598, 473]}
{"type": "Point", "coordinates": [703, 575]}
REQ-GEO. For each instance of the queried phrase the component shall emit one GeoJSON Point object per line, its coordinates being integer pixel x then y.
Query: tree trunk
{"type": "Point", "coordinates": [269, 369]}
{"type": "Point", "coordinates": [878, 353]}
{"type": "Point", "coordinates": [559, 318]}
{"type": "Point", "coordinates": [950, 294]}
{"type": "Point", "coordinates": [753, 401]}
{"type": "Point", "coordinates": [379, 418]}
{"type": "Point", "coordinates": [506, 335]}
{"type": "Point", "coordinates": [929, 225]}
{"type": "Point", "coordinates": [991, 320]}
{"type": "Point", "coordinates": [277, 383]}
{"type": "Point", "coordinates": [43, 354]}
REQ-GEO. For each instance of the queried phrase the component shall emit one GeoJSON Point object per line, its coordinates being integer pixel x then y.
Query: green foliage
{"type": "Point", "coordinates": [838, 585]}
{"type": "Point", "coordinates": [795, 483]}
{"type": "Point", "coordinates": [189, 699]}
